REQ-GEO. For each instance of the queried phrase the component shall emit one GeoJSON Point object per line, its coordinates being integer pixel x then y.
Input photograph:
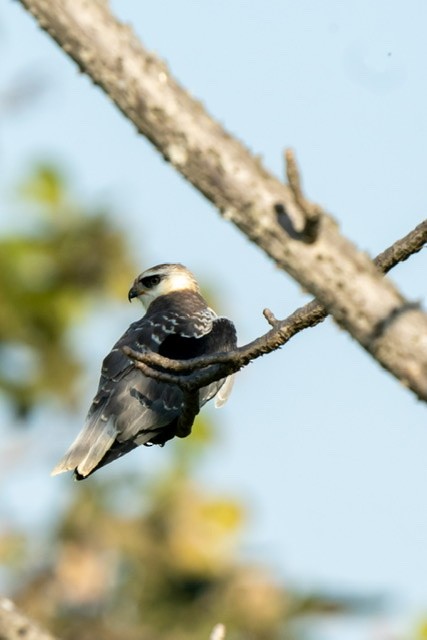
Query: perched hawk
{"type": "Point", "coordinates": [130, 408]}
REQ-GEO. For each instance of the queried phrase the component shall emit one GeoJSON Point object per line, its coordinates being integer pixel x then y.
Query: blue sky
{"type": "Point", "coordinates": [325, 448]}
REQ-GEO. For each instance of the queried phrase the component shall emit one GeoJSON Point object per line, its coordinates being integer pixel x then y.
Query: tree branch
{"type": "Point", "coordinates": [402, 249]}
{"type": "Point", "coordinates": [14, 625]}
{"type": "Point", "coordinates": [190, 375]}
{"type": "Point", "coordinates": [343, 279]}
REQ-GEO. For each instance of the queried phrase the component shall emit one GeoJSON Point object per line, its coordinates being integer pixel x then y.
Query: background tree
{"type": "Point", "coordinates": [49, 276]}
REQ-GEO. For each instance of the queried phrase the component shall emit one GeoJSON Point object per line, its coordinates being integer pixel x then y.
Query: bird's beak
{"type": "Point", "coordinates": [133, 293]}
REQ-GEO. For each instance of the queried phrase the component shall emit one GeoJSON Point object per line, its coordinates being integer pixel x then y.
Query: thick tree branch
{"type": "Point", "coordinates": [343, 279]}
{"type": "Point", "coordinates": [14, 625]}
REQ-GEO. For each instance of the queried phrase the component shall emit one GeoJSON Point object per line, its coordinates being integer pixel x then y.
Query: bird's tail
{"type": "Point", "coordinates": [89, 448]}
{"type": "Point", "coordinates": [223, 393]}
{"type": "Point", "coordinates": [117, 450]}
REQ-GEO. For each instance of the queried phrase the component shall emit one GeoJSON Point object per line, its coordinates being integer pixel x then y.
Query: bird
{"type": "Point", "coordinates": [130, 408]}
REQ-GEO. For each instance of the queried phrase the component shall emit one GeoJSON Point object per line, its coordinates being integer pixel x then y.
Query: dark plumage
{"type": "Point", "coordinates": [131, 409]}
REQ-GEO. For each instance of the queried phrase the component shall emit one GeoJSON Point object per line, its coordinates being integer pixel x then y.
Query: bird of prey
{"type": "Point", "coordinates": [130, 408]}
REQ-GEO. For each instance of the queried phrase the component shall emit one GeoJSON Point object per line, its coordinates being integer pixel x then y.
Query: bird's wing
{"type": "Point", "coordinates": [224, 392]}
{"type": "Point", "coordinates": [129, 408]}
{"type": "Point", "coordinates": [222, 337]}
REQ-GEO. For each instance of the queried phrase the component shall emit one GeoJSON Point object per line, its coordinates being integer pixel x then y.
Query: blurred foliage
{"type": "Point", "coordinates": [134, 561]}
{"type": "Point", "coordinates": [421, 631]}
{"type": "Point", "coordinates": [49, 276]}
{"type": "Point", "coordinates": [138, 559]}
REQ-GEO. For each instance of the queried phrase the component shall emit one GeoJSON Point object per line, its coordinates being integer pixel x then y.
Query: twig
{"type": "Point", "coordinates": [402, 249]}
{"type": "Point", "coordinates": [270, 317]}
{"type": "Point", "coordinates": [311, 212]}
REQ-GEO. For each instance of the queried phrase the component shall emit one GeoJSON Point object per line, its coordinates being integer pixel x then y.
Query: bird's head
{"type": "Point", "coordinates": [161, 280]}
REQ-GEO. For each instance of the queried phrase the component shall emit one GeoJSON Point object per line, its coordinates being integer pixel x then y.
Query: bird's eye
{"type": "Point", "coordinates": [150, 281]}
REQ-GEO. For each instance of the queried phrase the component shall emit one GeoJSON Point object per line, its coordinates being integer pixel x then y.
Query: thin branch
{"type": "Point", "coordinates": [342, 278]}
{"type": "Point", "coordinates": [402, 249]}
{"type": "Point", "coordinates": [282, 331]}
{"type": "Point", "coordinates": [190, 375]}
